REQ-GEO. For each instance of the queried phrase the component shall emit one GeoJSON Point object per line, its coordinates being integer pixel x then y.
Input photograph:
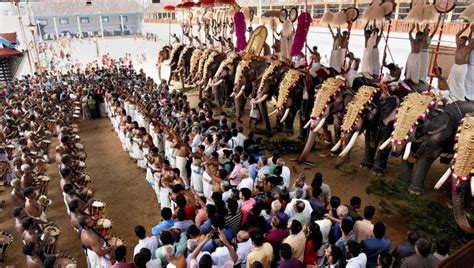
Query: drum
{"type": "Point", "coordinates": [65, 261]}
{"type": "Point", "coordinates": [10, 148]}
{"type": "Point", "coordinates": [98, 209]}
{"type": "Point", "coordinates": [44, 202]}
{"type": "Point", "coordinates": [116, 241]}
{"type": "Point", "coordinates": [75, 126]}
{"type": "Point", "coordinates": [44, 181]}
{"type": "Point", "coordinates": [105, 227]}
{"type": "Point", "coordinates": [50, 124]}
{"type": "Point", "coordinates": [75, 118]}
{"type": "Point", "coordinates": [41, 166]}
{"type": "Point", "coordinates": [50, 237]}
{"type": "Point", "coordinates": [80, 146]}
{"type": "Point", "coordinates": [6, 239]}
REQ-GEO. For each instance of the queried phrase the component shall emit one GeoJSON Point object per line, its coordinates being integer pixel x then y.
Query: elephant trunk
{"type": "Point", "coordinates": [458, 205]}
{"type": "Point", "coordinates": [308, 146]}
{"type": "Point", "coordinates": [349, 146]}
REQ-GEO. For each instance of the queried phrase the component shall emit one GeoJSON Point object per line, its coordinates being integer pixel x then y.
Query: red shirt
{"type": "Point", "coordinates": [310, 254]}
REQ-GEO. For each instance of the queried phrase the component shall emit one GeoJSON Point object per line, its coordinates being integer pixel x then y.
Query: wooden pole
{"type": "Point", "coordinates": [384, 58]}
{"type": "Point", "coordinates": [437, 47]}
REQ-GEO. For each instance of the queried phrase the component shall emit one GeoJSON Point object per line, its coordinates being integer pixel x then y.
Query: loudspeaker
{"type": "Point", "coordinates": [155, 1]}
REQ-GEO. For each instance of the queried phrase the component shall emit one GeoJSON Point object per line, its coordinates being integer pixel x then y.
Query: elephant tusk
{"type": "Point", "coordinates": [307, 124]}
{"type": "Point", "coordinates": [337, 146]}
{"type": "Point", "coordinates": [285, 115]}
{"type": "Point", "coordinates": [217, 83]}
{"type": "Point", "coordinates": [385, 144]}
{"type": "Point", "coordinates": [232, 95]}
{"type": "Point", "coordinates": [320, 125]}
{"type": "Point", "coordinates": [273, 113]}
{"type": "Point", "coordinates": [406, 154]}
{"type": "Point", "coordinates": [261, 99]}
{"type": "Point", "coordinates": [443, 179]}
{"type": "Point", "coordinates": [241, 91]}
{"type": "Point", "coordinates": [472, 185]}
{"type": "Point", "coordinates": [350, 144]}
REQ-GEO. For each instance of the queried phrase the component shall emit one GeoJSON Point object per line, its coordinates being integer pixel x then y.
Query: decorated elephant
{"type": "Point", "coordinates": [223, 80]}
{"type": "Point", "coordinates": [197, 75]}
{"type": "Point", "coordinates": [290, 100]}
{"type": "Point", "coordinates": [330, 100]}
{"type": "Point", "coordinates": [460, 171]}
{"type": "Point", "coordinates": [268, 88]}
{"type": "Point", "coordinates": [184, 64]}
{"type": "Point", "coordinates": [194, 65]}
{"type": "Point", "coordinates": [421, 134]}
{"type": "Point", "coordinates": [247, 75]}
{"type": "Point", "coordinates": [174, 58]}
{"type": "Point", "coordinates": [372, 111]}
{"type": "Point", "coordinates": [209, 69]}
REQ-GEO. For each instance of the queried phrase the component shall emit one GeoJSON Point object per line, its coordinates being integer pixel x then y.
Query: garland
{"type": "Point", "coordinates": [202, 61]}
{"type": "Point", "coordinates": [354, 109]}
{"type": "Point", "coordinates": [228, 61]}
{"type": "Point", "coordinates": [240, 28]}
{"type": "Point", "coordinates": [304, 22]}
{"type": "Point", "coordinates": [461, 170]}
{"type": "Point", "coordinates": [195, 60]}
{"type": "Point", "coordinates": [210, 60]}
{"type": "Point", "coordinates": [413, 109]}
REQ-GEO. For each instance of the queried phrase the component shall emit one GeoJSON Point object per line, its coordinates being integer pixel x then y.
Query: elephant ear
{"type": "Point", "coordinates": [432, 128]}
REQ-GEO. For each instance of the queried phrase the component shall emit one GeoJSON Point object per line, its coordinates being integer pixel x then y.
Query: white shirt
{"type": "Point", "coordinates": [243, 250]}
{"type": "Point", "coordinates": [150, 243]}
{"type": "Point", "coordinates": [246, 183]}
{"type": "Point", "coordinates": [286, 175]}
{"type": "Point", "coordinates": [357, 262]}
{"type": "Point", "coordinates": [196, 142]}
{"type": "Point", "coordinates": [325, 227]}
{"type": "Point", "coordinates": [220, 256]}
{"type": "Point", "coordinates": [156, 263]}
{"type": "Point", "coordinates": [307, 207]}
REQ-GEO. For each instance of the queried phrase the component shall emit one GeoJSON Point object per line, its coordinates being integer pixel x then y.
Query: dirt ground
{"type": "Point", "coordinates": [130, 201]}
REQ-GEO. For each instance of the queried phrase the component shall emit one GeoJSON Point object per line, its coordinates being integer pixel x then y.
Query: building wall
{"type": "Point", "coordinates": [132, 24]}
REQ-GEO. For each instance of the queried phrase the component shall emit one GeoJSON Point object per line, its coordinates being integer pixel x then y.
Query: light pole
{"type": "Point", "coordinates": [22, 29]}
{"type": "Point", "coordinates": [32, 28]}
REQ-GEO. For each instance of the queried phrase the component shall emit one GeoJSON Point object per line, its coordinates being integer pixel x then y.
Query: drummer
{"type": "Point", "coordinates": [97, 247]}
{"type": "Point", "coordinates": [71, 194]}
{"type": "Point", "coordinates": [32, 206]}
{"type": "Point", "coordinates": [33, 260]}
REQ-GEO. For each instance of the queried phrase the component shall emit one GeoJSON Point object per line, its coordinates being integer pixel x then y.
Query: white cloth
{"type": "Point", "coordinates": [142, 162]}
{"type": "Point", "coordinates": [413, 67]}
{"type": "Point", "coordinates": [424, 55]}
{"type": "Point", "coordinates": [243, 250]}
{"type": "Point", "coordinates": [196, 178]}
{"type": "Point", "coordinates": [156, 263]}
{"type": "Point", "coordinates": [96, 261]}
{"type": "Point", "coordinates": [325, 227]}
{"type": "Point", "coordinates": [286, 175]}
{"type": "Point", "coordinates": [220, 256]}
{"type": "Point", "coordinates": [456, 82]}
{"type": "Point", "coordinates": [172, 156]}
{"type": "Point", "coordinates": [164, 197]}
{"type": "Point", "coordinates": [181, 165]}
{"type": "Point", "coordinates": [470, 77]}
{"type": "Point", "coordinates": [307, 207]}
{"type": "Point", "coordinates": [149, 176]}
{"type": "Point", "coordinates": [375, 61]}
{"type": "Point", "coordinates": [246, 183]}
{"type": "Point", "coordinates": [315, 66]}
{"type": "Point", "coordinates": [357, 262]}
{"type": "Point", "coordinates": [333, 60]}
{"type": "Point", "coordinates": [207, 186]}
{"type": "Point", "coordinates": [367, 61]}
{"type": "Point", "coordinates": [150, 243]}
{"type": "Point", "coordinates": [136, 152]}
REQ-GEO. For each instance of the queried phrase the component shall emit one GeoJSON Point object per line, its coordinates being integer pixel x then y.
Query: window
{"type": "Point", "coordinates": [84, 20]}
{"type": "Point", "coordinates": [42, 22]}
{"type": "Point", "coordinates": [106, 19]}
{"type": "Point", "coordinates": [124, 18]}
{"type": "Point", "coordinates": [63, 21]}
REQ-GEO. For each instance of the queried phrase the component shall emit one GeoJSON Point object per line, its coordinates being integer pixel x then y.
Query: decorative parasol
{"type": "Point", "coordinates": [169, 8]}
{"type": "Point", "coordinates": [206, 3]}
{"type": "Point", "coordinates": [188, 5]}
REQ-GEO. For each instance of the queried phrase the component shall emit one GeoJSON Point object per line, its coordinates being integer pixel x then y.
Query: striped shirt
{"type": "Point", "coordinates": [233, 221]}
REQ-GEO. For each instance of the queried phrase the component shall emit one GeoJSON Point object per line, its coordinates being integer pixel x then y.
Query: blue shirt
{"type": "Point", "coordinates": [373, 247]}
{"type": "Point", "coordinates": [162, 226]}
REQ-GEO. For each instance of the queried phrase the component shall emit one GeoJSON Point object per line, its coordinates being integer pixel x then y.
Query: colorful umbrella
{"type": "Point", "coordinates": [188, 5]}
{"type": "Point", "coordinates": [169, 8]}
{"type": "Point", "coordinates": [206, 3]}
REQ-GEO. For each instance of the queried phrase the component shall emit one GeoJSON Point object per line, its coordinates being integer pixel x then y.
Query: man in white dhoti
{"type": "Point", "coordinates": [197, 171]}
{"type": "Point", "coordinates": [375, 52]}
{"type": "Point", "coordinates": [458, 75]}
{"type": "Point", "coordinates": [153, 162]}
{"type": "Point", "coordinates": [335, 52]}
{"type": "Point", "coordinates": [97, 248]}
{"type": "Point", "coordinates": [367, 55]}
{"type": "Point", "coordinates": [315, 61]}
{"type": "Point", "coordinates": [424, 51]}
{"type": "Point", "coordinates": [412, 71]}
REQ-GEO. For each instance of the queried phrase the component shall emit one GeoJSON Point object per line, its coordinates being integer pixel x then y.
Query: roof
{"type": "Point", "coordinates": [7, 52]}
{"type": "Point", "coordinates": [76, 7]}
{"type": "Point", "coordinates": [10, 37]}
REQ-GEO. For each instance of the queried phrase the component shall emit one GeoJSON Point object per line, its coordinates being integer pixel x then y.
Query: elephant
{"type": "Point", "coordinates": [329, 102]}
{"type": "Point", "coordinates": [183, 67]}
{"type": "Point", "coordinates": [247, 74]}
{"type": "Point", "coordinates": [174, 58]}
{"type": "Point", "coordinates": [371, 111]}
{"type": "Point", "coordinates": [210, 67]}
{"type": "Point", "coordinates": [460, 171]}
{"type": "Point", "coordinates": [194, 64]}
{"type": "Point", "coordinates": [223, 80]}
{"type": "Point", "coordinates": [197, 76]}
{"type": "Point", "coordinates": [422, 138]}
{"type": "Point", "coordinates": [268, 87]}
{"type": "Point", "coordinates": [290, 99]}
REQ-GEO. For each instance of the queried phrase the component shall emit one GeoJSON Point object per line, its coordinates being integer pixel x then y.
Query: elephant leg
{"type": "Point", "coordinates": [380, 163]}
{"type": "Point", "coordinates": [237, 103]}
{"type": "Point", "coordinates": [181, 78]}
{"type": "Point", "coordinates": [420, 169]}
{"type": "Point", "coordinates": [264, 113]}
{"type": "Point", "coordinates": [369, 153]}
{"type": "Point", "coordinates": [405, 174]}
